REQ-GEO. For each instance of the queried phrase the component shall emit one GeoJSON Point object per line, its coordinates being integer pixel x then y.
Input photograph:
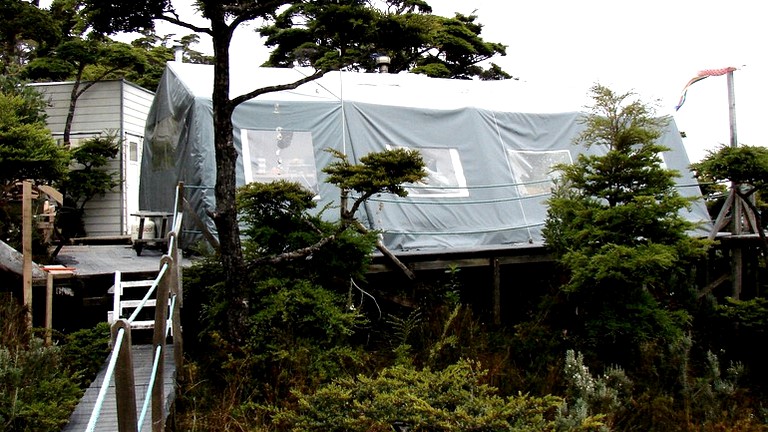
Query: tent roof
{"type": "Point", "coordinates": [404, 89]}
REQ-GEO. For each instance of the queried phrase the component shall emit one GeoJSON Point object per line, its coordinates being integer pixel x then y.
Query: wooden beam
{"type": "Point", "coordinates": [13, 261]}
{"type": "Point", "coordinates": [722, 218]}
{"type": "Point", "coordinates": [714, 284]}
{"type": "Point", "coordinates": [26, 246]}
{"type": "Point", "coordinates": [125, 387]}
{"type": "Point", "coordinates": [496, 291]}
{"type": "Point", "coordinates": [438, 263]}
{"type": "Point", "coordinates": [48, 309]}
{"type": "Point", "coordinates": [188, 211]}
{"type": "Point", "coordinates": [53, 193]}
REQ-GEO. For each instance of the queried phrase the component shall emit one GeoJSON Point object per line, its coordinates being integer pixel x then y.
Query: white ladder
{"type": "Point", "coordinates": [122, 308]}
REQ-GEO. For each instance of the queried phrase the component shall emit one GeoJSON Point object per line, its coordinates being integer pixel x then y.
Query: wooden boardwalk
{"type": "Point", "coordinates": [143, 356]}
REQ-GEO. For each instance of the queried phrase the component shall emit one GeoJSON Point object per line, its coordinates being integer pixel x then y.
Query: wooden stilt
{"type": "Point", "coordinates": [26, 246]}
{"type": "Point", "coordinates": [496, 291]}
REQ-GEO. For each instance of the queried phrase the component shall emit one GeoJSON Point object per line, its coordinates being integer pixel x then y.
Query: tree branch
{"type": "Point", "coordinates": [387, 253]}
{"type": "Point", "coordinates": [180, 23]}
{"type": "Point", "coordinates": [100, 78]}
{"type": "Point", "coordinates": [292, 255]}
{"type": "Point", "coordinates": [275, 88]}
{"type": "Point", "coordinates": [358, 202]}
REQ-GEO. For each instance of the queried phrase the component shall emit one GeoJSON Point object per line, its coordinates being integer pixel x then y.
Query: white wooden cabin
{"type": "Point", "coordinates": [114, 105]}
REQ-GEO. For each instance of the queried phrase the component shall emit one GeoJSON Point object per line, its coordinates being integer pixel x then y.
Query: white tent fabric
{"type": "Point", "coordinates": [489, 148]}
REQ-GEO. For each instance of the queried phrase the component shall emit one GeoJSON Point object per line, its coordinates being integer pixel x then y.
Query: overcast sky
{"type": "Point", "coordinates": [651, 47]}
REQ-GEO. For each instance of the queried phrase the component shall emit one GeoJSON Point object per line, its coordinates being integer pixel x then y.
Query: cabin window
{"type": "Point", "coordinates": [279, 154]}
{"type": "Point", "coordinates": [133, 151]}
{"type": "Point", "coordinates": [445, 175]}
{"type": "Point", "coordinates": [532, 170]}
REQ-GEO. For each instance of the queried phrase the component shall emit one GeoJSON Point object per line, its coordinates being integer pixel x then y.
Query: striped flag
{"type": "Point", "coordinates": [700, 76]}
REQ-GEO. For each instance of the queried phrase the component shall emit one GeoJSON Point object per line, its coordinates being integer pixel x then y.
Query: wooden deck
{"type": "Point", "coordinates": [92, 260]}
{"type": "Point", "coordinates": [143, 357]}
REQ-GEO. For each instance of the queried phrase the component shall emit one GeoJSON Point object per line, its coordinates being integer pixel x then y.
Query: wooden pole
{"type": "Point", "coordinates": [48, 308]}
{"type": "Point", "coordinates": [496, 291]}
{"type": "Point", "coordinates": [158, 340]}
{"type": "Point", "coordinates": [125, 386]}
{"type": "Point", "coordinates": [175, 289]}
{"type": "Point", "coordinates": [26, 246]}
{"type": "Point", "coordinates": [732, 109]}
{"type": "Point", "coordinates": [737, 258]}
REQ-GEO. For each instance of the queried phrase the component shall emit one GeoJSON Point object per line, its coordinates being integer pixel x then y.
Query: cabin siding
{"type": "Point", "coordinates": [118, 107]}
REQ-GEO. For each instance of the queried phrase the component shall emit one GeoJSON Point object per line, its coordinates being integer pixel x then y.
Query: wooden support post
{"type": "Point", "coordinates": [496, 291]}
{"type": "Point", "coordinates": [26, 246]}
{"type": "Point", "coordinates": [125, 387]}
{"type": "Point", "coordinates": [179, 201]}
{"type": "Point", "coordinates": [117, 292]}
{"type": "Point", "coordinates": [158, 340]}
{"type": "Point", "coordinates": [178, 341]}
{"type": "Point", "coordinates": [48, 308]}
{"type": "Point", "coordinates": [210, 238]}
{"type": "Point", "coordinates": [52, 272]}
{"type": "Point", "coordinates": [722, 218]}
{"type": "Point", "coordinates": [737, 257]}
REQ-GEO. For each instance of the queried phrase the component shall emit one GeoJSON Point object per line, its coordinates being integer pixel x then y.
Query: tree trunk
{"type": "Point", "coordinates": [72, 107]}
{"type": "Point", "coordinates": [225, 216]}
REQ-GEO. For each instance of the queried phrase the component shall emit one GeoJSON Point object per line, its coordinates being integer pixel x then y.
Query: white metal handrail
{"type": "Point", "coordinates": [167, 286]}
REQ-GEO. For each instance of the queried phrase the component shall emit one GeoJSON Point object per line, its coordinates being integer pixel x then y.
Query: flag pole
{"type": "Point", "coordinates": [736, 220]}
{"type": "Point", "coordinates": [732, 108]}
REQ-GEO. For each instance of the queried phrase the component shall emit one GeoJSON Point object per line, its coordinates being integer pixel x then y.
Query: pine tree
{"type": "Point", "coordinates": [615, 225]}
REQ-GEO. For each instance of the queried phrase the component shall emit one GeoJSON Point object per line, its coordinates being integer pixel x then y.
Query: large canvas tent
{"type": "Point", "coordinates": [488, 147]}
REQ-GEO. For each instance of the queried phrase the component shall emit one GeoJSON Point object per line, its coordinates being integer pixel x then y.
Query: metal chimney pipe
{"type": "Point", "coordinates": [178, 53]}
{"type": "Point", "coordinates": [382, 63]}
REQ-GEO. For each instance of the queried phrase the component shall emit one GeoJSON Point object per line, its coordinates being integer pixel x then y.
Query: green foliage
{"type": "Point", "coordinates": [451, 399]}
{"type": "Point", "coordinates": [158, 51]}
{"type": "Point", "coordinates": [746, 314]}
{"type": "Point", "coordinates": [275, 215]}
{"type": "Point", "coordinates": [87, 59]}
{"type": "Point", "coordinates": [281, 232]}
{"type": "Point", "coordinates": [37, 393]}
{"type": "Point", "coordinates": [25, 28]}
{"type": "Point", "coordinates": [84, 352]}
{"type": "Point", "coordinates": [746, 166]}
{"type": "Point", "coordinates": [30, 108]}
{"type": "Point", "coordinates": [714, 393]}
{"type": "Point", "coordinates": [402, 330]}
{"type": "Point", "coordinates": [406, 31]}
{"type": "Point", "coordinates": [112, 16]}
{"type": "Point", "coordinates": [27, 150]}
{"type": "Point", "coordinates": [377, 172]}
{"type": "Point", "coordinates": [14, 329]}
{"type": "Point", "coordinates": [591, 398]}
{"type": "Point", "coordinates": [614, 223]}
{"type": "Point", "coordinates": [299, 335]}
{"type": "Point", "coordinates": [295, 310]}
{"type": "Point", "coordinates": [743, 164]}
{"type": "Point", "coordinates": [88, 177]}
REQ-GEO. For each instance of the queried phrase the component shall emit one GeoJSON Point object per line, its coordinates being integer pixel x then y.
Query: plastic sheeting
{"type": "Point", "coordinates": [488, 146]}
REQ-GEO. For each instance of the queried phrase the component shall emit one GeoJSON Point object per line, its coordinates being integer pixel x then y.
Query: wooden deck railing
{"type": "Point", "coordinates": [167, 291]}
